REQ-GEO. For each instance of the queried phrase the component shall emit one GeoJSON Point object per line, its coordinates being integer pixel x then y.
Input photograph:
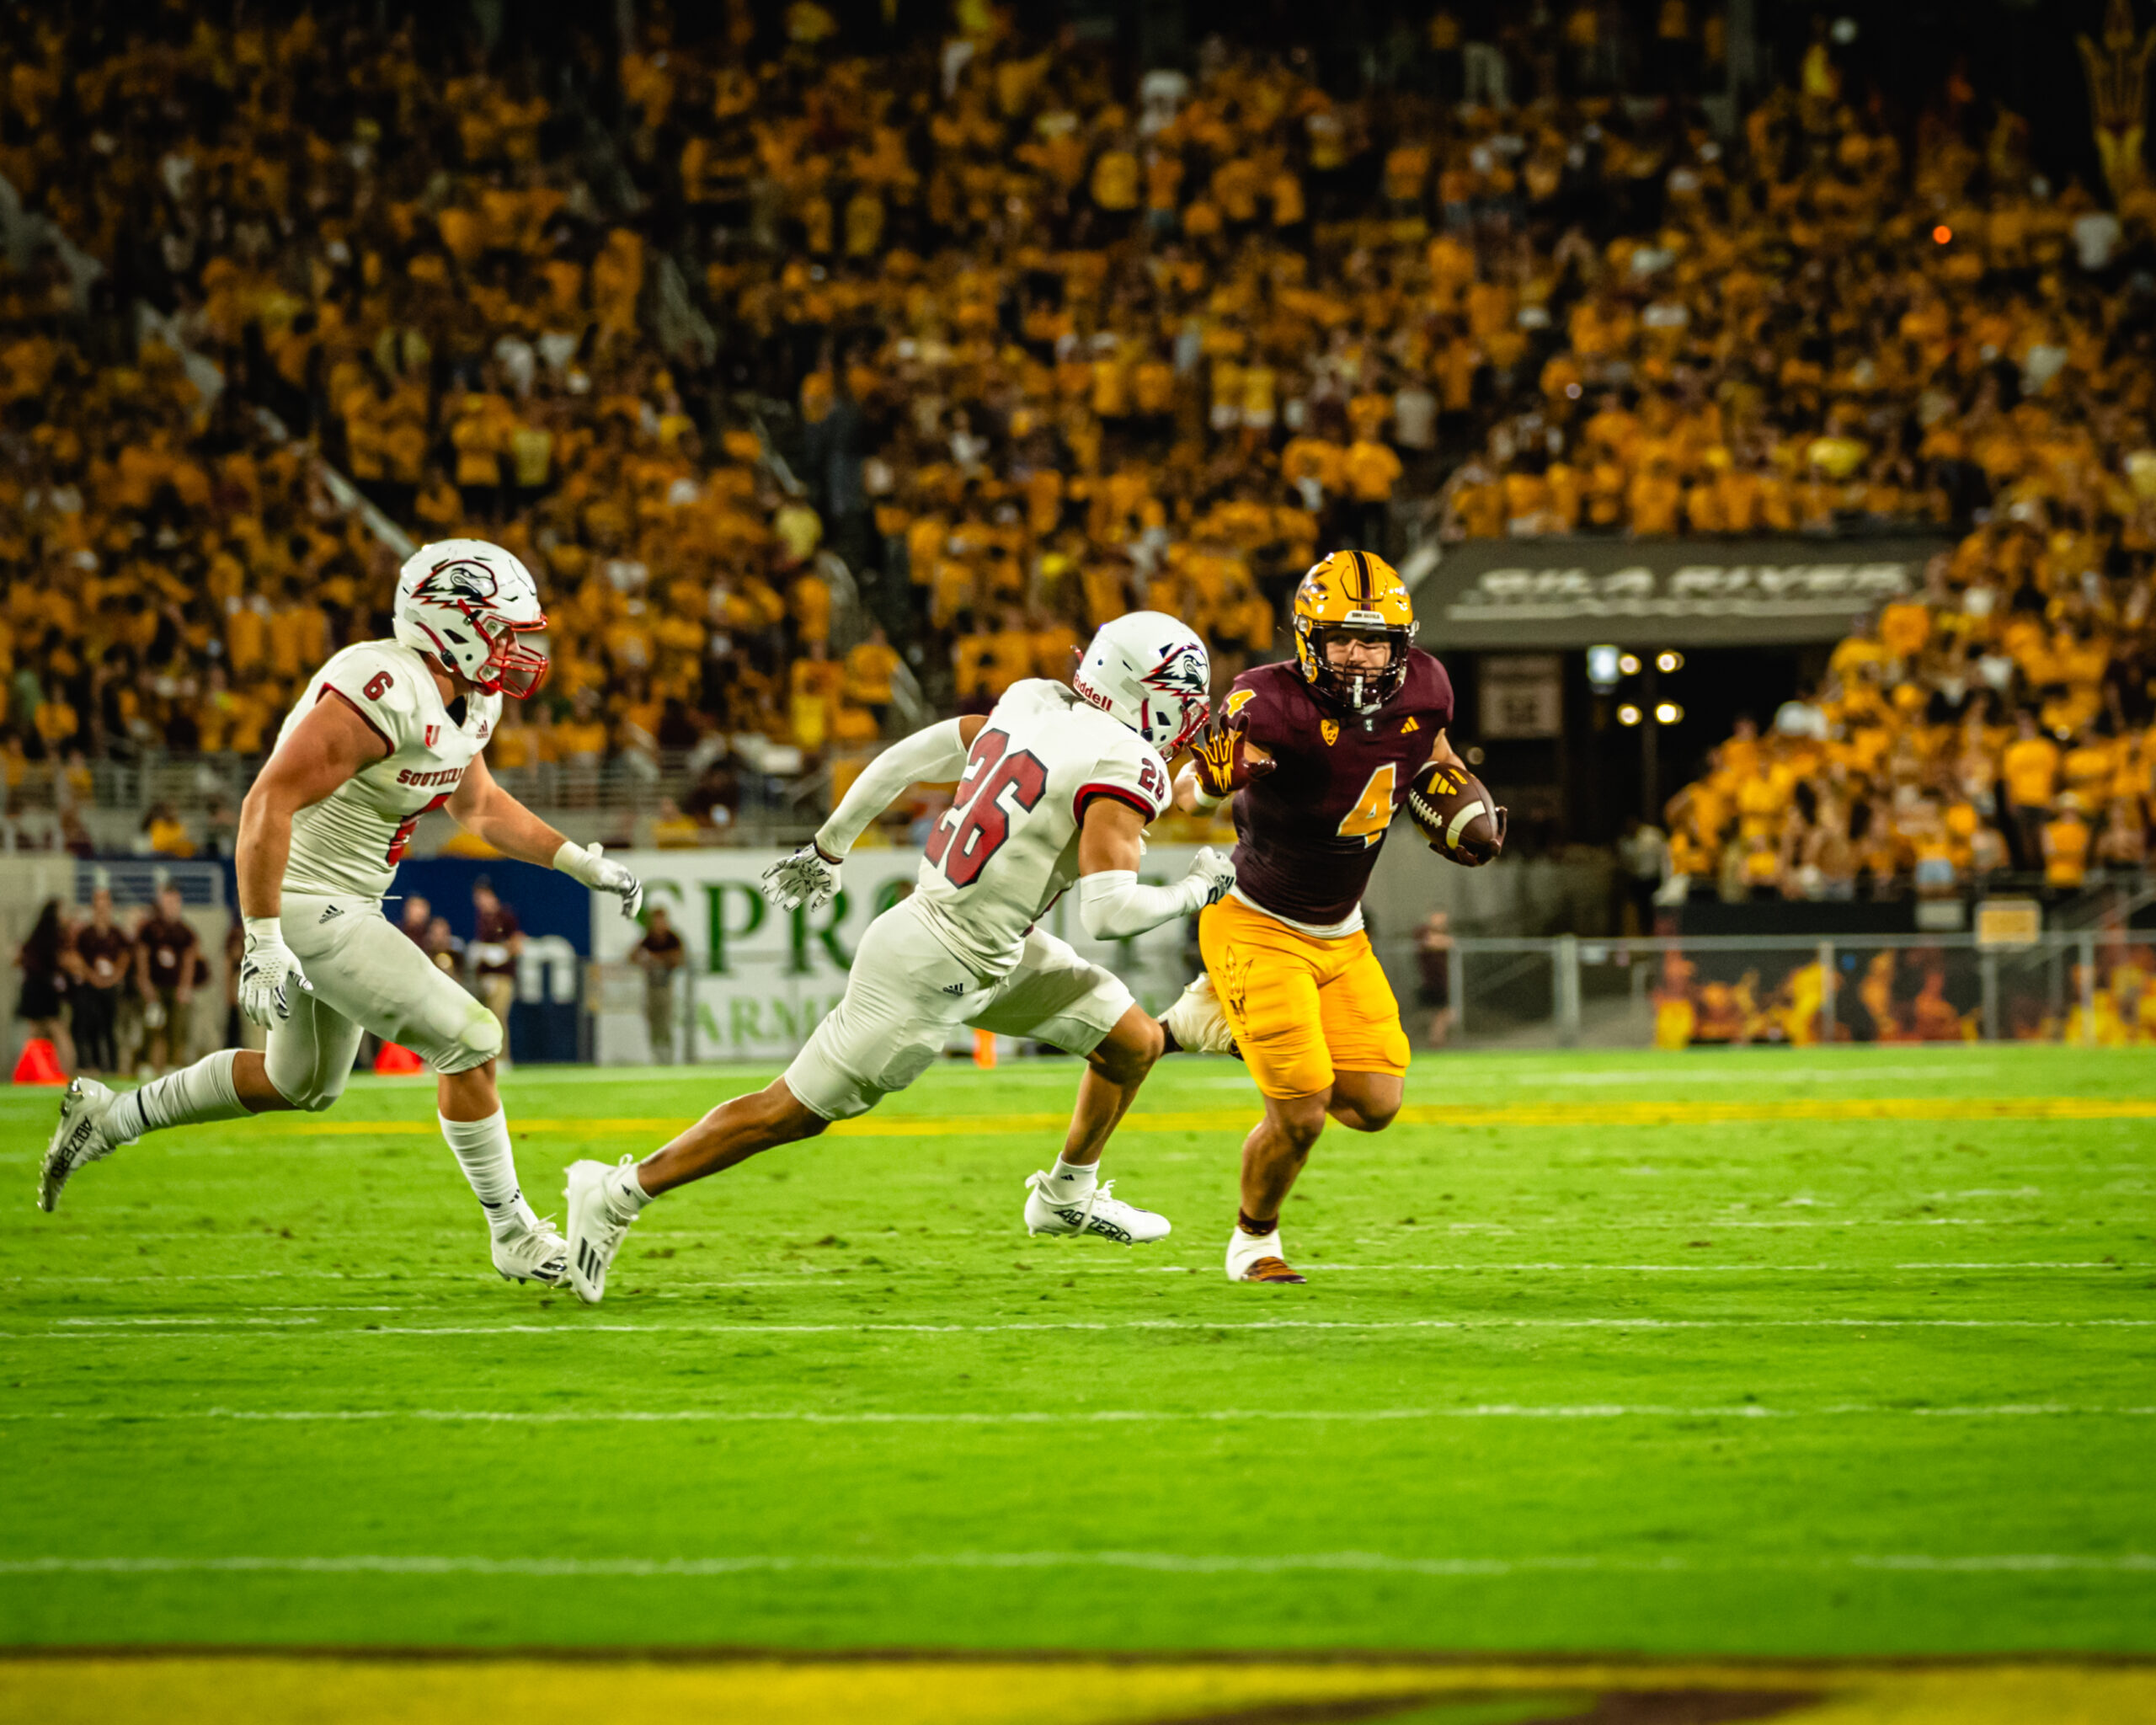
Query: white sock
{"type": "Point", "coordinates": [625, 1193]}
{"type": "Point", "coordinates": [482, 1150]}
{"type": "Point", "coordinates": [202, 1091]}
{"type": "Point", "coordinates": [1068, 1180]}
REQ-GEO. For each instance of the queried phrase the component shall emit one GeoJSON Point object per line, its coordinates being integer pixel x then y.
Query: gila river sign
{"type": "Point", "coordinates": [1699, 592]}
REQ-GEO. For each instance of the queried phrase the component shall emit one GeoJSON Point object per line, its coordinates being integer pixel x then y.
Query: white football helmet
{"type": "Point", "coordinates": [464, 602]}
{"type": "Point", "coordinates": [1150, 670]}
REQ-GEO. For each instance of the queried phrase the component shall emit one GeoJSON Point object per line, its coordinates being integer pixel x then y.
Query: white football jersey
{"type": "Point", "coordinates": [351, 841]}
{"type": "Point", "coordinates": [1008, 848]}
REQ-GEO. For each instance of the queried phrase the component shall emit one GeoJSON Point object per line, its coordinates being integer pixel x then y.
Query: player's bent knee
{"type": "Point", "coordinates": [1127, 1052]}
{"type": "Point", "coordinates": [1299, 1119]}
{"type": "Point", "coordinates": [309, 1093]}
{"type": "Point", "coordinates": [478, 1040]}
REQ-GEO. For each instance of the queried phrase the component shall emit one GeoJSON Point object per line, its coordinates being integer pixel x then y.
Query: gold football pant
{"type": "Point", "coordinates": [1302, 1007]}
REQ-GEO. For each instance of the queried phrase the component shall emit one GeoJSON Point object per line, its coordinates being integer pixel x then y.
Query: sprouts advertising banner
{"type": "Point", "coordinates": [759, 979]}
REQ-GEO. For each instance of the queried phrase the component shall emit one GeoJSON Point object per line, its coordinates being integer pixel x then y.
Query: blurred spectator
{"type": "Point", "coordinates": [672, 830]}
{"type": "Point", "coordinates": [2066, 845]}
{"type": "Point", "coordinates": [105, 962]}
{"type": "Point", "coordinates": [1643, 864]}
{"type": "Point", "coordinates": [42, 959]}
{"type": "Point", "coordinates": [166, 951]}
{"type": "Point", "coordinates": [661, 956]}
{"type": "Point", "coordinates": [1433, 950]}
{"type": "Point", "coordinates": [497, 940]}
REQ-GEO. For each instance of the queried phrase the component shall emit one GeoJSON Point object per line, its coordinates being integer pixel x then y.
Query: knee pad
{"type": "Point", "coordinates": [306, 1091]}
{"type": "Point", "coordinates": [478, 1040]}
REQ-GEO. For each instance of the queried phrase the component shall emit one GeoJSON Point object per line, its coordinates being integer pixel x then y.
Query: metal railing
{"type": "Point", "coordinates": [2087, 986]}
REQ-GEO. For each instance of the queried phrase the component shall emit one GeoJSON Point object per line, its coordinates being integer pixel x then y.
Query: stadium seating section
{"type": "Point", "coordinates": [1027, 342]}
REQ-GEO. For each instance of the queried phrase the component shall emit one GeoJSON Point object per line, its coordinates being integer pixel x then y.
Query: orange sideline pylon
{"type": "Point", "coordinates": [40, 1063]}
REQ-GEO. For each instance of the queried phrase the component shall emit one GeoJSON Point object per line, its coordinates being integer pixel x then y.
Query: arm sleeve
{"type": "Point", "coordinates": [933, 753]}
{"type": "Point", "coordinates": [1114, 906]}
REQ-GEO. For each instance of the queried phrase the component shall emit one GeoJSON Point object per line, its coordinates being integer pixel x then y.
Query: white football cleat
{"type": "Point", "coordinates": [1098, 1212]}
{"type": "Point", "coordinates": [538, 1254]}
{"type": "Point", "coordinates": [1197, 1021]}
{"type": "Point", "coordinates": [595, 1233]}
{"type": "Point", "coordinates": [78, 1139]}
{"type": "Point", "coordinates": [1256, 1258]}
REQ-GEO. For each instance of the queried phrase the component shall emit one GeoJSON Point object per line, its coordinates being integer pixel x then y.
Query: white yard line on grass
{"type": "Point", "coordinates": [1170, 1562]}
{"type": "Point", "coordinates": [1328, 1416]}
{"type": "Point", "coordinates": [796, 1278]}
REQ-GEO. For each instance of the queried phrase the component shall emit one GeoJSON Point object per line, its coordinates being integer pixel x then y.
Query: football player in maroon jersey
{"type": "Point", "coordinates": [1317, 754]}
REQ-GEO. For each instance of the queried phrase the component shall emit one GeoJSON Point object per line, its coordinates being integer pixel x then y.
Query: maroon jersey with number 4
{"type": "Point", "coordinates": [1308, 833]}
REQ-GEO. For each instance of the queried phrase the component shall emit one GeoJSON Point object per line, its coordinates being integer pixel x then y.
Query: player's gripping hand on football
{"type": "Point", "coordinates": [1223, 762]}
{"type": "Point", "coordinates": [270, 974]}
{"type": "Point", "coordinates": [601, 874]}
{"type": "Point", "coordinates": [811, 877]}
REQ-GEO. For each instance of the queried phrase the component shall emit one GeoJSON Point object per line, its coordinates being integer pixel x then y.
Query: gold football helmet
{"type": "Point", "coordinates": [1353, 593]}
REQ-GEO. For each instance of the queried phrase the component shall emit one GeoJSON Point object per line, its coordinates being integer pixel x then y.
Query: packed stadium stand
{"type": "Point", "coordinates": [829, 374]}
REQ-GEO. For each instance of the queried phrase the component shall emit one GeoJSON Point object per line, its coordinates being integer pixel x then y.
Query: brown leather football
{"type": "Point", "coordinates": [1457, 814]}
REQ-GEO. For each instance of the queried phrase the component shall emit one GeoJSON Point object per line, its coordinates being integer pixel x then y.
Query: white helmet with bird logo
{"type": "Point", "coordinates": [1150, 670]}
{"type": "Point", "coordinates": [463, 603]}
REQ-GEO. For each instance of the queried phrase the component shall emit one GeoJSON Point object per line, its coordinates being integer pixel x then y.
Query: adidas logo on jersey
{"type": "Point", "coordinates": [1410, 726]}
{"type": "Point", "coordinates": [954, 988]}
{"type": "Point", "coordinates": [333, 910]}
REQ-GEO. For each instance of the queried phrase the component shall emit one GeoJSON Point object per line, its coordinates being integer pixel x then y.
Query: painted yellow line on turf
{"type": "Point", "coordinates": [1855, 1110]}
{"type": "Point", "coordinates": [77, 1688]}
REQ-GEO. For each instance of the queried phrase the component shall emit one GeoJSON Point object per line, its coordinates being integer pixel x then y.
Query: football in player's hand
{"type": "Point", "coordinates": [1457, 815]}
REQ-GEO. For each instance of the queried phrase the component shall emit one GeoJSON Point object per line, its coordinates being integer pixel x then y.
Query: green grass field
{"type": "Point", "coordinates": [1695, 1354]}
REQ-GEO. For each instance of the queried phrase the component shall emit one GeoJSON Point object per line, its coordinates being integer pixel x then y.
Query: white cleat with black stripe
{"type": "Point", "coordinates": [77, 1141]}
{"type": "Point", "coordinates": [596, 1229]}
{"type": "Point", "coordinates": [1098, 1211]}
{"type": "Point", "coordinates": [538, 1254]}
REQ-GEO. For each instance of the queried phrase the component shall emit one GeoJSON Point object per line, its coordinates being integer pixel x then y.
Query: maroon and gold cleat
{"type": "Point", "coordinates": [1271, 1269]}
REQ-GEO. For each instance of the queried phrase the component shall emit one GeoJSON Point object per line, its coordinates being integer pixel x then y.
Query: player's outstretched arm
{"type": "Point", "coordinates": [810, 876]}
{"type": "Point", "coordinates": [333, 742]}
{"type": "Point", "coordinates": [328, 747]}
{"type": "Point", "coordinates": [484, 808]}
{"type": "Point", "coordinates": [1112, 904]}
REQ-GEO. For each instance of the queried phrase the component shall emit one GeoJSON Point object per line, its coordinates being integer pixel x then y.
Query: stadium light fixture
{"type": "Point", "coordinates": [1667, 660]}
{"type": "Point", "coordinates": [1942, 234]}
{"type": "Point", "coordinates": [1667, 712]}
{"type": "Point", "coordinates": [1628, 714]}
{"type": "Point", "coordinates": [1602, 670]}
{"type": "Point", "coordinates": [1629, 665]}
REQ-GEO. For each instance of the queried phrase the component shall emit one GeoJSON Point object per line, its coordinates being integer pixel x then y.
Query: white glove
{"type": "Point", "coordinates": [268, 972]}
{"type": "Point", "coordinates": [602, 874]}
{"type": "Point", "coordinates": [1210, 876]}
{"type": "Point", "coordinates": [811, 877]}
